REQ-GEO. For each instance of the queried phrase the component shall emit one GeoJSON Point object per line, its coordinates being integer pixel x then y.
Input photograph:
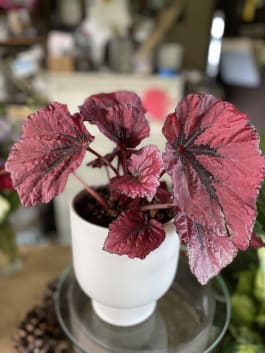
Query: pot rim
{"type": "Point", "coordinates": [79, 195]}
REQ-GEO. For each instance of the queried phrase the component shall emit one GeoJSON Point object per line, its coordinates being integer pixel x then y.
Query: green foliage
{"type": "Point", "coordinates": [8, 243]}
{"type": "Point", "coordinates": [261, 321]}
{"type": "Point", "coordinates": [247, 336]}
{"type": "Point", "coordinates": [259, 289]}
{"type": "Point", "coordinates": [242, 340]}
{"type": "Point", "coordinates": [260, 222]}
{"type": "Point", "coordinates": [248, 348]}
{"type": "Point", "coordinates": [246, 280]}
{"type": "Point", "coordinates": [12, 198]}
{"type": "Point", "coordinates": [261, 255]}
{"type": "Point", "coordinates": [259, 228]}
{"type": "Point", "coordinates": [262, 141]}
{"type": "Point", "coordinates": [243, 308]}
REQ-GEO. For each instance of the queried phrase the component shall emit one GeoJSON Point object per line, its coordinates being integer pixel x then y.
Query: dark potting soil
{"type": "Point", "coordinates": [90, 210]}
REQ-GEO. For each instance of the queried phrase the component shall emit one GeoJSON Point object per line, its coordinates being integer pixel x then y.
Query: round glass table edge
{"type": "Point", "coordinates": [209, 349]}
{"type": "Point", "coordinates": [220, 336]}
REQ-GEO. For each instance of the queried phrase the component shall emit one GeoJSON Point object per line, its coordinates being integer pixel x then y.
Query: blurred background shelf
{"type": "Point", "coordinates": [21, 41]}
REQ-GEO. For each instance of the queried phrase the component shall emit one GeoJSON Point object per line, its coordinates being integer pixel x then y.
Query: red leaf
{"type": "Point", "coordinates": [52, 146]}
{"type": "Point", "coordinates": [5, 180]}
{"type": "Point", "coordinates": [95, 104]}
{"type": "Point", "coordinates": [216, 167]}
{"type": "Point", "coordinates": [133, 234]}
{"type": "Point", "coordinates": [208, 252]}
{"type": "Point", "coordinates": [145, 167]}
{"type": "Point", "coordinates": [120, 116]}
{"type": "Point", "coordinates": [256, 241]}
{"type": "Point", "coordinates": [129, 98]}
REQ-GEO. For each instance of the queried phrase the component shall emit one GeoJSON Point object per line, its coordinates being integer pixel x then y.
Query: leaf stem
{"type": "Point", "coordinates": [91, 191]}
{"type": "Point", "coordinates": [157, 206]}
{"type": "Point", "coordinates": [124, 161]}
{"type": "Point", "coordinates": [89, 149]}
{"type": "Point", "coordinates": [162, 173]}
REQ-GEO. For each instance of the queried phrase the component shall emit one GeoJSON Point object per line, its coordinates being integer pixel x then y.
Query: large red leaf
{"type": "Point", "coordinates": [119, 115]}
{"type": "Point", "coordinates": [52, 146]}
{"type": "Point", "coordinates": [216, 167]}
{"type": "Point", "coordinates": [133, 234]}
{"type": "Point", "coordinates": [208, 252]}
{"type": "Point", "coordinates": [145, 167]}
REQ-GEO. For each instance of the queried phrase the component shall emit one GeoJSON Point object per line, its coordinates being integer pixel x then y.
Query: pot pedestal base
{"type": "Point", "coordinates": [181, 322]}
{"type": "Point", "coordinates": [123, 317]}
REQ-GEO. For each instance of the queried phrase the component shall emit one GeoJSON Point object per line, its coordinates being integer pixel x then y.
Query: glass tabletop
{"type": "Point", "coordinates": [190, 318]}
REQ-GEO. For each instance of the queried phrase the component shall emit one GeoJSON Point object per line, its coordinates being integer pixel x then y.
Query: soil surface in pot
{"type": "Point", "coordinates": [90, 210]}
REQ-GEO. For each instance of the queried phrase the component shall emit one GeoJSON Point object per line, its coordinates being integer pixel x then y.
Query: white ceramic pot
{"type": "Point", "coordinates": [123, 291]}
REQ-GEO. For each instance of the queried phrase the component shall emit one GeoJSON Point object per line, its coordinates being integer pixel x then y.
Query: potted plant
{"type": "Point", "coordinates": [123, 258]}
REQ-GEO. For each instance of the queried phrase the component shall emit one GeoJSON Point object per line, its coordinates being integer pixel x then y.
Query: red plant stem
{"type": "Point", "coordinates": [124, 161]}
{"type": "Point", "coordinates": [91, 191]}
{"type": "Point", "coordinates": [162, 173]}
{"type": "Point", "coordinates": [119, 166]}
{"type": "Point", "coordinates": [89, 149]}
{"type": "Point", "coordinates": [157, 206]}
{"type": "Point", "coordinates": [107, 172]}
